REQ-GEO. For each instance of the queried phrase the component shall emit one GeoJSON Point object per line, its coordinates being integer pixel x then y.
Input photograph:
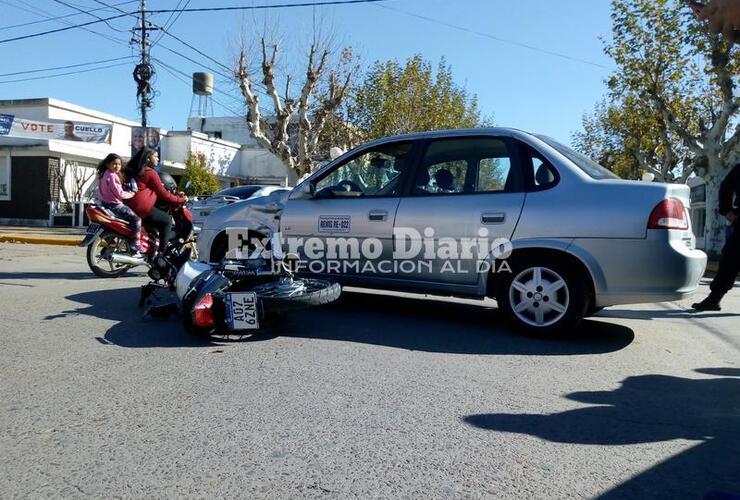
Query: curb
{"type": "Point", "coordinates": [39, 240]}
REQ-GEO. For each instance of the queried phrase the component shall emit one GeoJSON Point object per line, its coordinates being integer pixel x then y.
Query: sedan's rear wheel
{"type": "Point", "coordinates": [544, 297]}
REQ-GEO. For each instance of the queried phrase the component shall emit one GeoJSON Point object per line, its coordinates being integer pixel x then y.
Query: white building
{"type": "Point", "coordinates": [31, 170]}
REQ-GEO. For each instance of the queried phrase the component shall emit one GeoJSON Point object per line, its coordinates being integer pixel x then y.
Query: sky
{"type": "Point", "coordinates": [537, 65]}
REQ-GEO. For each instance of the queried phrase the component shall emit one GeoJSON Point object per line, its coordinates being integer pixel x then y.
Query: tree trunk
{"type": "Point", "coordinates": [714, 233]}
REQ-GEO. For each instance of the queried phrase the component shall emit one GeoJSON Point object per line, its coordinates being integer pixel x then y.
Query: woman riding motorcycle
{"type": "Point", "coordinates": [150, 190]}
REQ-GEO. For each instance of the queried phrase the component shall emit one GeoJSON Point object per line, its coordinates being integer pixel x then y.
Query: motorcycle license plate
{"type": "Point", "coordinates": [92, 228]}
{"type": "Point", "coordinates": [241, 311]}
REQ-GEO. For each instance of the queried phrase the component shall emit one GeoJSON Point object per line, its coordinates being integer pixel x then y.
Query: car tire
{"type": "Point", "coordinates": [544, 296]}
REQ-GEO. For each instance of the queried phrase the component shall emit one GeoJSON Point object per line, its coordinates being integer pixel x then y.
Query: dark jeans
{"type": "Point", "coordinates": [729, 265]}
{"type": "Point", "coordinates": [125, 213]}
{"type": "Point", "coordinates": [163, 222]}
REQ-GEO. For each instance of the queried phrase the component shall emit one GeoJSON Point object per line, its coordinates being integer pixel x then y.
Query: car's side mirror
{"type": "Point", "coordinates": [304, 191]}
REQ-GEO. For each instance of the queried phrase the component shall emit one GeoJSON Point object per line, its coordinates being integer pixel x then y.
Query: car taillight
{"type": "Point", "coordinates": [203, 312]}
{"type": "Point", "coordinates": [669, 214]}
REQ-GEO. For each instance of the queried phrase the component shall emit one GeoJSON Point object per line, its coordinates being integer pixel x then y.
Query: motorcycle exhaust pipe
{"type": "Point", "coordinates": [120, 258]}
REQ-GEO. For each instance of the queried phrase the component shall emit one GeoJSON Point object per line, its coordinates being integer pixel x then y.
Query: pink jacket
{"type": "Point", "coordinates": [110, 189]}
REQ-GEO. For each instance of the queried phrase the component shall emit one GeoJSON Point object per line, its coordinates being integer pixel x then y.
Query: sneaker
{"type": "Point", "coordinates": [708, 304]}
{"type": "Point", "coordinates": [136, 254]}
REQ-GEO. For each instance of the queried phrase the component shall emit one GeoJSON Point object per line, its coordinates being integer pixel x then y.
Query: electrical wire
{"type": "Point", "coordinates": [203, 9]}
{"type": "Point", "coordinates": [67, 73]}
{"type": "Point", "coordinates": [58, 18]}
{"type": "Point", "coordinates": [495, 38]}
{"type": "Point", "coordinates": [65, 67]}
{"type": "Point", "coordinates": [183, 77]}
{"type": "Point", "coordinates": [43, 13]}
{"type": "Point", "coordinates": [87, 12]}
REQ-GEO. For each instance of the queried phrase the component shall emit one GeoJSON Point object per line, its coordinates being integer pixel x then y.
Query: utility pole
{"type": "Point", "coordinates": [144, 71]}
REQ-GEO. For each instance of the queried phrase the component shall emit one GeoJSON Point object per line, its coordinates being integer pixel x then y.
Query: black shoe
{"type": "Point", "coordinates": [708, 304]}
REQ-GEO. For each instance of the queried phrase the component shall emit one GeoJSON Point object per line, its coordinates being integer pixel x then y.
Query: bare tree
{"type": "Point", "coordinates": [293, 131]}
{"type": "Point", "coordinates": [80, 178]}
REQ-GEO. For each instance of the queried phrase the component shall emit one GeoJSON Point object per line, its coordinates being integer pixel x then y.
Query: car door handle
{"type": "Point", "coordinates": [493, 218]}
{"type": "Point", "coordinates": [378, 215]}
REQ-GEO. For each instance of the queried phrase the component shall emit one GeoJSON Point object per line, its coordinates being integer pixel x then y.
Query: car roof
{"type": "Point", "coordinates": [465, 132]}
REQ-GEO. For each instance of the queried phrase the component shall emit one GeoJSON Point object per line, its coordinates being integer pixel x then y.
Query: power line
{"type": "Point", "coordinates": [170, 21]}
{"type": "Point", "coordinates": [260, 88]}
{"type": "Point", "coordinates": [266, 7]}
{"type": "Point", "coordinates": [59, 30]}
{"type": "Point", "coordinates": [67, 73]}
{"type": "Point", "coordinates": [165, 32]}
{"type": "Point", "coordinates": [204, 9]}
{"type": "Point", "coordinates": [43, 13]}
{"type": "Point", "coordinates": [183, 77]}
{"type": "Point", "coordinates": [65, 67]}
{"type": "Point", "coordinates": [89, 13]}
{"type": "Point", "coordinates": [496, 38]}
{"type": "Point", "coordinates": [58, 18]}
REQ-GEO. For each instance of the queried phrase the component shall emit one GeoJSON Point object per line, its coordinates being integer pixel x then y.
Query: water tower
{"type": "Point", "coordinates": [203, 92]}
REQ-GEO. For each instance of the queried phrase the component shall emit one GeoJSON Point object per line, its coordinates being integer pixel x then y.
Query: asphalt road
{"type": "Point", "coordinates": [373, 397]}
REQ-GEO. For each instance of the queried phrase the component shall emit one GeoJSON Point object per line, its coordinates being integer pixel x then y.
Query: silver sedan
{"type": "Point", "coordinates": [500, 213]}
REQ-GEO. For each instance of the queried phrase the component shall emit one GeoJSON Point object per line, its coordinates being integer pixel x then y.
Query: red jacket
{"type": "Point", "coordinates": [150, 189]}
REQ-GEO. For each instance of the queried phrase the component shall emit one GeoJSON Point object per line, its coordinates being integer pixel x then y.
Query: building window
{"type": "Point", "coordinates": [5, 178]}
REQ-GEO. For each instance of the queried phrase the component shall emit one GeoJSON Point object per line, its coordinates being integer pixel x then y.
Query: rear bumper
{"type": "Point", "coordinates": [660, 268]}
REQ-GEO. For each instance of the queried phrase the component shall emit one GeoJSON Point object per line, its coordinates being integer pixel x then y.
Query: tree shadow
{"type": "Point", "coordinates": [438, 326]}
{"type": "Point", "coordinates": [651, 409]}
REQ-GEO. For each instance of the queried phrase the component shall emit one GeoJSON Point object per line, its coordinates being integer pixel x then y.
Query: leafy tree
{"type": "Point", "coordinates": [397, 99]}
{"type": "Point", "coordinates": [673, 101]}
{"type": "Point", "coordinates": [203, 182]}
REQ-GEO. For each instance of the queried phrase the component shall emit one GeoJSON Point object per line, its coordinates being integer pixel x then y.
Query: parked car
{"type": "Point", "coordinates": [202, 208]}
{"type": "Point", "coordinates": [577, 237]}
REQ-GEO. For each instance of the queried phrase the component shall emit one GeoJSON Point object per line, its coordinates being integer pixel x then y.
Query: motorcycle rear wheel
{"type": "Point", "coordinates": [102, 245]}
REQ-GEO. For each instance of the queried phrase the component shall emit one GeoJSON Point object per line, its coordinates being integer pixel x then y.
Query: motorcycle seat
{"type": "Point", "coordinates": [110, 214]}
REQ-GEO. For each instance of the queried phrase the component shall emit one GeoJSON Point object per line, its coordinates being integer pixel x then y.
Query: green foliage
{"type": "Point", "coordinates": [202, 181]}
{"type": "Point", "coordinates": [396, 99]}
{"type": "Point", "coordinates": [666, 96]}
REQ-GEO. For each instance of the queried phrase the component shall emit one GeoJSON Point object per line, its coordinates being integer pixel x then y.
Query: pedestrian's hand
{"type": "Point", "coordinates": [732, 217]}
{"type": "Point", "coordinates": [723, 15]}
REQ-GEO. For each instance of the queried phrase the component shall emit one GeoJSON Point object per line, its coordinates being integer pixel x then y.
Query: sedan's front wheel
{"type": "Point", "coordinates": [544, 297]}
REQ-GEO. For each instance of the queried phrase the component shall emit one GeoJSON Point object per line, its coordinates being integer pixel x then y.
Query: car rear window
{"type": "Point", "coordinates": [241, 192]}
{"type": "Point", "coordinates": [593, 169]}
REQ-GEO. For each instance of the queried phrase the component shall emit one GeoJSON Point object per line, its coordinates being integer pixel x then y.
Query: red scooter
{"type": "Point", "coordinates": [108, 242]}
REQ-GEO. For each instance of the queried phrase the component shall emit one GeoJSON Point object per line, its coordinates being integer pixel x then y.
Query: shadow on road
{"type": "Point", "coordinates": [131, 330]}
{"type": "Point", "coordinates": [445, 327]}
{"type": "Point", "coordinates": [649, 315]}
{"type": "Point", "coordinates": [52, 275]}
{"type": "Point", "coordinates": [651, 409]}
{"type": "Point", "coordinates": [413, 324]}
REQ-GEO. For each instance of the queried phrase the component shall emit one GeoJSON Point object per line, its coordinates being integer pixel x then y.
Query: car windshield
{"type": "Point", "coordinates": [593, 169]}
{"type": "Point", "coordinates": [241, 192]}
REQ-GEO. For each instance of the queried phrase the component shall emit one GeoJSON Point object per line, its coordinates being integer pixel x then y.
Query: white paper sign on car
{"type": "Point", "coordinates": [335, 223]}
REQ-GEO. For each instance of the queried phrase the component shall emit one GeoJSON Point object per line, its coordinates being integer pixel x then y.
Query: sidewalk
{"type": "Point", "coordinates": [69, 236]}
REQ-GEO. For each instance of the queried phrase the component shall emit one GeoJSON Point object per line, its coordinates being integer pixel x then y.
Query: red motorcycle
{"type": "Point", "coordinates": [108, 241]}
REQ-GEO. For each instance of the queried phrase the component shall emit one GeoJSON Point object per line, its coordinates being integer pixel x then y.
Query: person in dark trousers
{"type": "Point", "coordinates": [729, 265]}
{"type": "Point", "coordinates": [151, 190]}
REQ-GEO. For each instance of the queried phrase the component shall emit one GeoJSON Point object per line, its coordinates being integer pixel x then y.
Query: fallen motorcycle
{"type": "Point", "coordinates": [238, 298]}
